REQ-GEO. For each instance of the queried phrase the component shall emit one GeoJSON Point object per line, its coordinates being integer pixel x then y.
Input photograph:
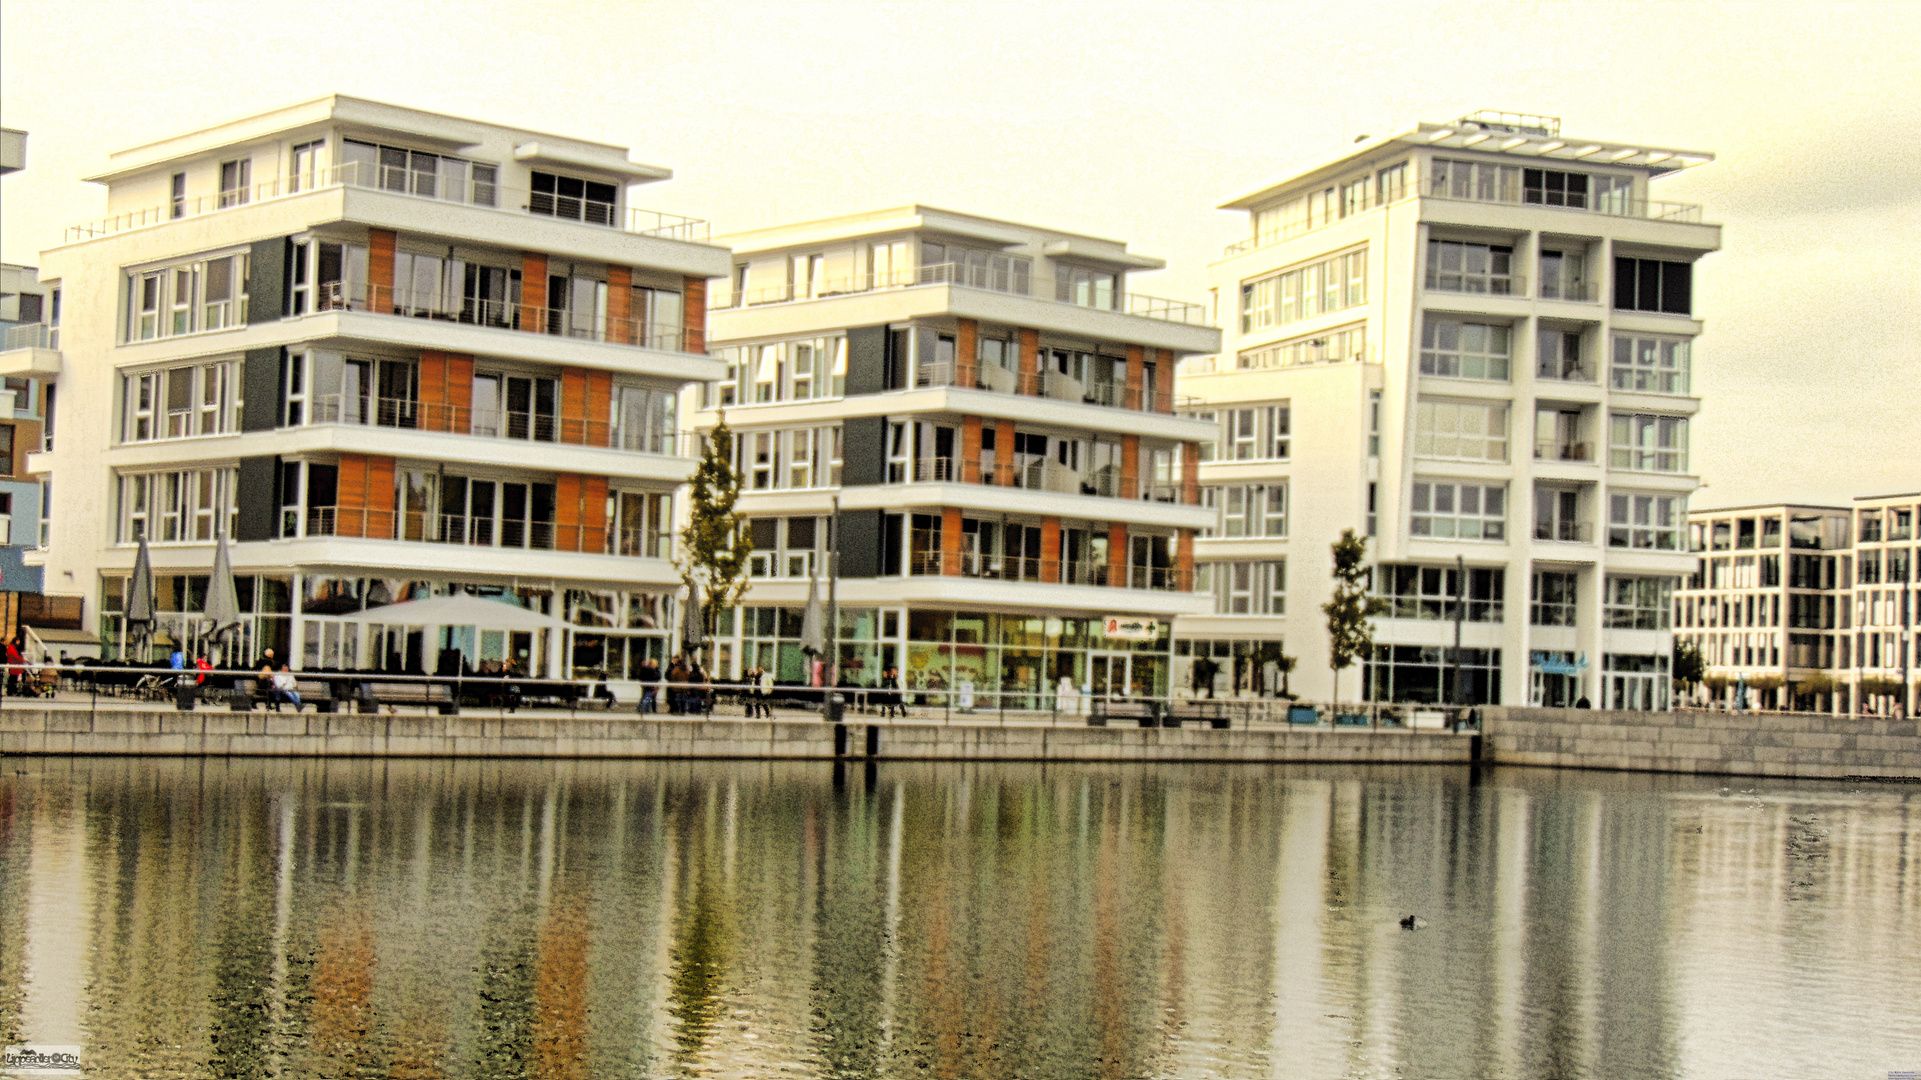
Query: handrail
{"type": "Point", "coordinates": [500, 315]}
{"type": "Point", "coordinates": [414, 526]}
{"type": "Point", "coordinates": [483, 423]}
{"type": "Point", "coordinates": [479, 194]}
{"type": "Point", "coordinates": [32, 336]}
{"type": "Point", "coordinates": [958, 275]}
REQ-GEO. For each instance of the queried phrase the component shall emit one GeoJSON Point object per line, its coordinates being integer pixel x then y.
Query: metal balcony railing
{"type": "Point", "coordinates": [483, 194]}
{"type": "Point", "coordinates": [495, 423]}
{"type": "Point", "coordinates": [467, 531]}
{"type": "Point", "coordinates": [499, 315]}
{"type": "Point", "coordinates": [1564, 532]}
{"type": "Point", "coordinates": [1457, 281]}
{"type": "Point", "coordinates": [1563, 371]}
{"type": "Point", "coordinates": [1558, 450]}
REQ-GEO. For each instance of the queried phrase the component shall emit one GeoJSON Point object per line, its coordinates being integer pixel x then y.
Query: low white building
{"type": "Point", "coordinates": [1471, 342]}
{"type": "Point", "coordinates": [394, 355]}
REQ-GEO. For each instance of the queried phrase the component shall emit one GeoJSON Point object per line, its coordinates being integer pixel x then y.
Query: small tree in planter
{"type": "Point", "coordinates": [1763, 688]}
{"type": "Point", "coordinates": [714, 548]}
{"type": "Point", "coordinates": [1350, 630]}
{"type": "Point", "coordinates": [1717, 687]}
{"type": "Point", "coordinates": [1689, 667]}
{"type": "Point", "coordinates": [1811, 687]}
{"type": "Point", "coordinates": [1872, 688]}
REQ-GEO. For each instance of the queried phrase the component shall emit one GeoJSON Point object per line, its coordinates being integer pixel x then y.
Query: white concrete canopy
{"type": "Point", "coordinates": [460, 611]}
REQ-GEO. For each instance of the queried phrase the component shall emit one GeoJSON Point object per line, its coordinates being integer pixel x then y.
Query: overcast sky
{"type": "Point", "coordinates": [1126, 121]}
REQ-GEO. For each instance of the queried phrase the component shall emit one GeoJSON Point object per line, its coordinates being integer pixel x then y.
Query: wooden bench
{"type": "Point", "coordinates": [1214, 713]}
{"type": "Point", "coordinates": [247, 693]}
{"type": "Point", "coordinates": [375, 693]}
{"type": "Point", "coordinates": [1147, 713]}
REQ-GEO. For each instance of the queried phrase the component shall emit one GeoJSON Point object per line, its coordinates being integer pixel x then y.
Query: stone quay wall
{"type": "Point", "coordinates": [30, 730]}
{"type": "Point", "coordinates": [1725, 743]}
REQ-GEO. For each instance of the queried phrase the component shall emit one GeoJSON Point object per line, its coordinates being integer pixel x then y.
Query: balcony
{"type": "Point", "coordinates": [1046, 383]}
{"type": "Point", "coordinates": [1007, 282]}
{"type": "Point", "coordinates": [31, 336]}
{"type": "Point", "coordinates": [475, 193]}
{"type": "Point", "coordinates": [1564, 532]}
{"type": "Point", "coordinates": [1564, 370]}
{"type": "Point", "coordinates": [1559, 450]}
{"type": "Point", "coordinates": [505, 424]}
{"type": "Point", "coordinates": [460, 530]}
{"type": "Point", "coordinates": [1038, 475]}
{"type": "Point", "coordinates": [1487, 284]}
{"type": "Point", "coordinates": [502, 315]}
{"type": "Point", "coordinates": [1579, 292]}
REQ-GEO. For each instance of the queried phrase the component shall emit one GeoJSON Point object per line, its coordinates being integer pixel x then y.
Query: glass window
{"type": "Point", "coordinates": [1651, 365]}
{"type": "Point", "coordinates": [1444, 510]}
{"type": "Point", "coordinates": [1330, 284]}
{"type": "Point", "coordinates": [1638, 603]}
{"type": "Point", "coordinates": [1645, 522]}
{"type": "Point", "coordinates": [1453, 349]}
{"type": "Point", "coordinates": [1552, 599]}
{"type": "Point", "coordinates": [1460, 430]}
{"type": "Point", "coordinates": [1645, 443]}
{"type": "Point", "coordinates": [1457, 266]}
{"type": "Point", "coordinates": [1430, 592]}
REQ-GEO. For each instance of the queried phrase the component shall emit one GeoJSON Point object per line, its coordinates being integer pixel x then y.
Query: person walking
{"type": "Point", "coordinates": [892, 701]}
{"type": "Point", "coordinates": [760, 690]}
{"type": "Point", "coordinates": [649, 685]}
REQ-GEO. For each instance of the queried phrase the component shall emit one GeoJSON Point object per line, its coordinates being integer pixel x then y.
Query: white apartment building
{"type": "Point", "coordinates": [1813, 606]}
{"type": "Point", "coordinates": [1472, 343]}
{"type": "Point", "coordinates": [395, 356]}
{"type": "Point", "coordinates": [992, 405]}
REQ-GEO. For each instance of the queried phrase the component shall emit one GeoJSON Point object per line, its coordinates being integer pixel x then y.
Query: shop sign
{"type": "Point", "coordinates": [1128, 628]}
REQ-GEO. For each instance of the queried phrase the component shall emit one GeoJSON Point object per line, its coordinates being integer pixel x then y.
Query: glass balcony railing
{"type": "Point", "coordinates": [495, 423]}
{"type": "Point", "coordinates": [968, 276]}
{"type": "Point", "coordinates": [483, 194]}
{"type": "Point", "coordinates": [470, 531]}
{"type": "Point", "coordinates": [31, 336]}
{"type": "Point", "coordinates": [1564, 532]}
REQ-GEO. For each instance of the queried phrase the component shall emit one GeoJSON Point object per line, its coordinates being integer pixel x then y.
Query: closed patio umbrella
{"type": "Point", "coordinates": [140, 600]}
{"type": "Point", "coordinates": [813, 626]}
{"type": "Point", "coordinates": [222, 609]}
{"type": "Point", "coordinates": [693, 628]}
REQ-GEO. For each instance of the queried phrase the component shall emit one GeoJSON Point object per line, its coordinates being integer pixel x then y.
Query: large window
{"type": "Point", "coordinates": [1460, 430]}
{"type": "Point", "coordinates": [1425, 675]}
{"type": "Point", "coordinates": [1253, 510]}
{"type": "Point", "coordinates": [1259, 433]}
{"type": "Point", "coordinates": [791, 458]}
{"type": "Point", "coordinates": [799, 370]}
{"type": "Point", "coordinates": [1245, 588]}
{"type": "Point", "coordinates": [1646, 443]}
{"type": "Point", "coordinates": [1651, 365]}
{"type": "Point", "coordinates": [1343, 345]}
{"type": "Point", "coordinates": [1083, 287]}
{"type": "Point", "coordinates": [1331, 284]}
{"type": "Point", "coordinates": [1451, 511]}
{"type": "Point", "coordinates": [1452, 349]}
{"type": "Point", "coordinates": [998, 271]}
{"type": "Point", "coordinates": [1653, 285]}
{"type": "Point", "coordinates": [179, 402]}
{"type": "Point", "coordinates": [1638, 603]}
{"type": "Point", "coordinates": [415, 172]}
{"type": "Point", "coordinates": [644, 419]}
{"type": "Point", "coordinates": [1485, 181]}
{"type": "Point", "coordinates": [1553, 598]}
{"type": "Point", "coordinates": [209, 293]}
{"type": "Point", "coordinates": [1645, 522]}
{"type": "Point", "coordinates": [1458, 266]}
{"type": "Point", "coordinates": [1481, 181]}
{"type": "Point", "coordinates": [1429, 592]}
{"type": "Point", "coordinates": [175, 507]}
{"type": "Point", "coordinates": [1634, 682]}
{"type": "Point", "coordinates": [573, 198]}
{"type": "Point", "coordinates": [792, 547]}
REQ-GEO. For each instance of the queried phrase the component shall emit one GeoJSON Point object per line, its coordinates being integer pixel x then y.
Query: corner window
{"type": "Point", "coordinates": [1652, 285]}
{"type": "Point", "coordinates": [1452, 349]}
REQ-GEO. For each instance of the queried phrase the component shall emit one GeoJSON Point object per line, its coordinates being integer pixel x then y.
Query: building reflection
{"type": "Point", "coordinates": [499, 919]}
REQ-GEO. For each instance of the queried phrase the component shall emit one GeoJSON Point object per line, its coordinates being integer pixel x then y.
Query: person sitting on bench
{"type": "Point", "coordinates": [284, 689]}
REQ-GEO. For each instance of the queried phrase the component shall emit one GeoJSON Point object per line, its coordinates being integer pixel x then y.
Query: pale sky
{"type": "Point", "coordinates": [1130, 121]}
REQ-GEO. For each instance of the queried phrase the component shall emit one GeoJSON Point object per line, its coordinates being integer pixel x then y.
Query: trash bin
{"type": "Point", "coordinates": [834, 708]}
{"type": "Point", "coordinates": [185, 693]}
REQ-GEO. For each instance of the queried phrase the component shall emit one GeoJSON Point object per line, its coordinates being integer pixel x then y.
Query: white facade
{"type": "Point", "coordinates": [1467, 341]}
{"type": "Point", "coordinates": [992, 406]}
{"type": "Point", "coordinates": [392, 354]}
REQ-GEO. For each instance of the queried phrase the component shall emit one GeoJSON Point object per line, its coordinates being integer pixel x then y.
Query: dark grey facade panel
{"type": "Point", "coordinates": [260, 382]}
{"type": "Point", "coordinates": [860, 543]}
{"type": "Point", "coordinates": [267, 270]}
{"type": "Point", "coordinates": [863, 451]}
{"type": "Point", "coordinates": [866, 360]}
{"type": "Point", "coordinates": [257, 479]}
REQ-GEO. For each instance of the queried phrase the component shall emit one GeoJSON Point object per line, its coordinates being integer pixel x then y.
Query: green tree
{"type": "Point", "coordinates": [715, 547]}
{"type": "Point", "coordinates": [1350, 633]}
{"type": "Point", "coordinates": [1689, 666]}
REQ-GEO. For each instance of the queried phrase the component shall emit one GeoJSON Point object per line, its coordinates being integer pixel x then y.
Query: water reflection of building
{"type": "Point", "coordinates": [498, 919]}
{"type": "Point", "coordinates": [994, 409]}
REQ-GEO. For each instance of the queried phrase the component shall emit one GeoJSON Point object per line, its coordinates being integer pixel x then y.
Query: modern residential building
{"type": "Point", "coordinates": [29, 321]}
{"type": "Point", "coordinates": [1811, 606]}
{"type": "Point", "coordinates": [993, 407]}
{"type": "Point", "coordinates": [1472, 343]}
{"type": "Point", "coordinates": [395, 356]}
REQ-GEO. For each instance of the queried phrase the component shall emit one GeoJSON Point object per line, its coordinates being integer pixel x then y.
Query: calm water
{"type": "Point", "coordinates": [495, 919]}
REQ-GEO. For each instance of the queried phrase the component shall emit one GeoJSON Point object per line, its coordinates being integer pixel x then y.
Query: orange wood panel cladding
{"type": "Point", "coordinates": [1117, 554]}
{"type": "Point", "coordinates": [620, 305]}
{"type": "Point", "coordinates": [533, 292]}
{"type": "Point", "coordinates": [446, 391]}
{"type": "Point", "coordinates": [380, 269]}
{"type": "Point", "coordinates": [694, 315]}
{"type": "Point", "coordinates": [1051, 549]}
{"type": "Point", "coordinates": [365, 500]}
{"type": "Point", "coordinates": [586, 398]}
{"type": "Point", "coordinates": [580, 513]}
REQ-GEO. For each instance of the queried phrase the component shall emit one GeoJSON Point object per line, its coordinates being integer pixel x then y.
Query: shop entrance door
{"type": "Point", "coordinates": [1107, 674]}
